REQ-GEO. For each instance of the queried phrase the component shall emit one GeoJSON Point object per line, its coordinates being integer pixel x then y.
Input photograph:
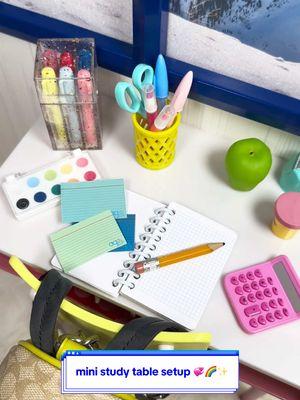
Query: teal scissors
{"type": "Point", "coordinates": [142, 74]}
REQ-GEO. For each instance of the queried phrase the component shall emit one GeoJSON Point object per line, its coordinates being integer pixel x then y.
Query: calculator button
{"type": "Point", "coordinates": [280, 301]}
{"type": "Point", "coordinates": [238, 290]}
{"type": "Point", "coordinates": [270, 317]}
{"type": "Point", "coordinates": [251, 297]}
{"type": "Point", "coordinates": [273, 304]}
{"type": "Point", "coordinates": [257, 273]}
{"type": "Point", "coordinates": [250, 276]}
{"type": "Point", "coordinates": [234, 280]}
{"type": "Point", "coordinates": [270, 280]}
{"type": "Point", "coordinates": [247, 288]}
{"type": "Point", "coordinates": [262, 320]}
{"type": "Point", "coordinates": [242, 278]}
{"type": "Point", "coordinates": [285, 312]}
{"type": "Point", "coordinates": [243, 300]}
{"type": "Point", "coordinates": [264, 306]}
{"type": "Point", "coordinates": [275, 290]}
{"type": "Point", "coordinates": [259, 295]}
{"type": "Point", "coordinates": [267, 293]}
{"type": "Point", "coordinates": [254, 285]}
{"type": "Point", "coordinates": [278, 314]}
{"type": "Point", "coordinates": [251, 311]}
{"type": "Point", "coordinates": [262, 283]}
{"type": "Point", "coordinates": [253, 323]}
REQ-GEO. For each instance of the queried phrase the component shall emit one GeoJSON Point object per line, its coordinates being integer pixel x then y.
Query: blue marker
{"type": "Point", "coordinates": [161, 82]}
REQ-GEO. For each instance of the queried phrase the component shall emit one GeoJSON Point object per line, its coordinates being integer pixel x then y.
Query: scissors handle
{"type": "Point", "coordinates": [123, 88]}
{"type": "Point", "coordinates": [141, 75]}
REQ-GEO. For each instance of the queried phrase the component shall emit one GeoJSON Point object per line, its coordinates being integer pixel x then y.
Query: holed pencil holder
{"type": "Point", "coordinates": [155, 150]}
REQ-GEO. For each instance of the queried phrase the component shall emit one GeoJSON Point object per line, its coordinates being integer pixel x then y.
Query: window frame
{"type": "Point", "coordinates": [150, 29]}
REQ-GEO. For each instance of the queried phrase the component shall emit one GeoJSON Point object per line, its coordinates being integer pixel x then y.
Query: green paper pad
{"type": "Point", "coordinates": [84, 199]}
{"type": "Point", "coordinates": [86, 240]}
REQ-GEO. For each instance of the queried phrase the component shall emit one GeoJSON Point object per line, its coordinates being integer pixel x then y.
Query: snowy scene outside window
{"type": "Point", "coordinates": [255, 41]}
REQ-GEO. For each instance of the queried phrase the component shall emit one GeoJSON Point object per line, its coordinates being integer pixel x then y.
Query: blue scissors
{"type": "Point", "coordinates": [142, 74]}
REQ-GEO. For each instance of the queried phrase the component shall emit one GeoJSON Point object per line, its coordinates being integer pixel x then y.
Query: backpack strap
{"type": "Point", "coordinates": [139, 333]}
{"type": "Point", "coordinates": [45, 308]}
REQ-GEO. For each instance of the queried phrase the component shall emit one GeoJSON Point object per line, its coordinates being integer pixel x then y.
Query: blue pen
{"type": "Point", "coordinates": [161, 82]}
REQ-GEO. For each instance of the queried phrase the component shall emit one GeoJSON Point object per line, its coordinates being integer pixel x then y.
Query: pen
{"type": "Point", "coordinates": [152, 264]}
{"type": "Point", "coordinates": [85, 89]}
{"type": "Point", "coordinates": [167, 114]}
{"type": "Point", "coordinates": [67, 100]}
{"type": "Point", "coordinates": [53, 111]}
{"type": "Point", "coordinates": [181, 93]}
{"type": "Point", "coordinates": [150, 104]}
{"type": "Point", "coordinates": [161, 82]}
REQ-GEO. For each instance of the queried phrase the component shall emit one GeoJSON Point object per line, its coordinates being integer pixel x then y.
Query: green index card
{"type": "Point", "coordinates": [86, 240]}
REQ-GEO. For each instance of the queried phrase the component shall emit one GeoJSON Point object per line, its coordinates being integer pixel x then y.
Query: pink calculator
{"type": "Point", "coordinates": [264, 295]}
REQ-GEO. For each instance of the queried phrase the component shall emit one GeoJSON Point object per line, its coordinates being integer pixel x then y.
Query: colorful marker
{"type": "Point", "coordinates": [167, 114]}
{"type": "Point", "coordinates": [181, 93]}
{"type": "Point", "coordinates": [161, 82]}
{"type": "Point", "coordinates": [150, 104]}
{"type": "Point", "coordinates": [85, 89]}
{"type": "Point", "coordinates": [67, 100]}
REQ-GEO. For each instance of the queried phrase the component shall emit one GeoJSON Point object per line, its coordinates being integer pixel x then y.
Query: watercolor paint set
{"type": "Point", "coordinates": [31, 192]}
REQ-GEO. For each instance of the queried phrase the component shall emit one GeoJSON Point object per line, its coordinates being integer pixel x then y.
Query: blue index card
{"type": "Point", "coordinates": [127, 227]}
{"type": "Point", "coordinates": [82, 200]}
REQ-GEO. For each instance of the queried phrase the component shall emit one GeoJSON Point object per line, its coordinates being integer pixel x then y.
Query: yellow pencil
{"type": "Point", "coordinates": [163, 261]}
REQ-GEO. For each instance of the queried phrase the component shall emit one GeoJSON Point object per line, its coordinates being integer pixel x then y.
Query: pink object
{"type": "Point", "coordinates": [82, 162]}
{"type": "Point", "coordinates": [181, 93]}
{"type": "Point", "coordinates": [50, 58]}
{"type": "Point", "coordinates": [85, 88]}
{"type": "Point", "coordinates": [287, 210]}
{"type": "Point", "coordinates": [276, 303]}
{"type": "Point", "coordinates": [90, 176]}
{"type": "Point", "coordinates": [150, 103]}
{"type": "Point", "coordinates": [198, 371]}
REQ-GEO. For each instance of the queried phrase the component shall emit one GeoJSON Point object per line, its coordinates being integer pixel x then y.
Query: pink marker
{"type": "Point", "coordinates": [163, 119]}
{"type": "Point", "coordinates": [181, 93]}
{"type": "Point", "coordinates": [150, 103]}
{"type": "Point", "coordinates": [85, 88]}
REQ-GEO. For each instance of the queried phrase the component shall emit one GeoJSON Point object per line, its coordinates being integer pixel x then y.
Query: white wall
{"type": "Point", "coordinates": [19, 106]}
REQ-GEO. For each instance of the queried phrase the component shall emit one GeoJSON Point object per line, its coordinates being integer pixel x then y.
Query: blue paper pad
{"type": "Point", "coordinates": [82, 200]}
{"type": "Point", "coordinates": [127, 227]}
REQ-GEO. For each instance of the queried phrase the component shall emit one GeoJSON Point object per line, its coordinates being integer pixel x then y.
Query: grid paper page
{"type": "Point", "coordinates": [86, 240]}
{"type": "Point", "coordinates": [180, 292]}
{"type": "Point", "coordinates": [82, 200]}
{"type": "Point", "coordinates": [102, 270]}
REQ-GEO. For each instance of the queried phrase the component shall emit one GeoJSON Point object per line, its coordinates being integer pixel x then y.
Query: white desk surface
{"type": "Point", "coordinates": [197, 180]}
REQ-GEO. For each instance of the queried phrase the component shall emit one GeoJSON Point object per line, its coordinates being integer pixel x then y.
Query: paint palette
{"type": "Point", "coordinates": [38, 190]}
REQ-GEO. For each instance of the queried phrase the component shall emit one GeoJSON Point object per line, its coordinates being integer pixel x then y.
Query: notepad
{"type": "Point", "coordinates": [81, 200]}
{"type": "Point", "coordinates": [127, 226]}
{"type": "Point", "coordinates": [79, 243]}
{"type": "Point", "coordinates": [179, 292]}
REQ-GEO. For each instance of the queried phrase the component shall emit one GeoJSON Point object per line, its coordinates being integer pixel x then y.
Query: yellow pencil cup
{"type": "Point", "coordinates": [155, 150]}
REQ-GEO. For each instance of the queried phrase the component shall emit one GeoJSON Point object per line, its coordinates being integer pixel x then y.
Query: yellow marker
{"type": "Point", "coordinates": [163, 261]}
{"type": "Point", "coordinates": [51, 98]}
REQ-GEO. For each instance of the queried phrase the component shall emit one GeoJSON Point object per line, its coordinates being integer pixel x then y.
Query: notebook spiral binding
{"type": "Point", "coordinates": [154, 231]}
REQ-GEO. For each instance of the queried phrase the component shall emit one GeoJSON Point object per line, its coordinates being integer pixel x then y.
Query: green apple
{"type": "Point", "coordinates": [247, 162]}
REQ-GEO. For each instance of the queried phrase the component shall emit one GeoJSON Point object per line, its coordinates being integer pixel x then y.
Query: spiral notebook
{"type": "Point", "coordinates": [179, 292]}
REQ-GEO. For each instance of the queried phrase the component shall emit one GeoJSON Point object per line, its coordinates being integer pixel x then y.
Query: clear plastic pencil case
{"type": "Point", "coordinates": [65, 80]}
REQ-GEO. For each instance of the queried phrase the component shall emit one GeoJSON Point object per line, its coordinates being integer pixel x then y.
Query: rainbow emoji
{"type": "Point", "coordinates": [210, 371]}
